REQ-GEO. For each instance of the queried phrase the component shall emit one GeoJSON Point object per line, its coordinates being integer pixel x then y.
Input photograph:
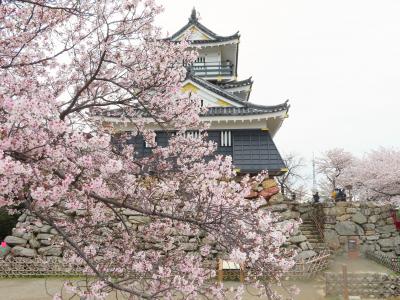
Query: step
{"type": "Point", "coordinates": [318, 245]}
{"type": "Point", "coordinates": [313, 237]}
{"type": "Point", "coordinates": [314, 241]}
{"type": "Point", "coordinates": [310, 231]}
{"type": "Point", "coordinates": [307, 226]}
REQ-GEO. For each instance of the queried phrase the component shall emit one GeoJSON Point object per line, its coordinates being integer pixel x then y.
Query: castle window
{"type": "Point", "coordinates": [226, 138]}
{"type": "Point", "coordinates": [201, 59]}
{"type": "Point", "coordinates": [192, 134]}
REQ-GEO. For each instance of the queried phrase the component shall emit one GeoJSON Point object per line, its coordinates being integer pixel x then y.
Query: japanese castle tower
{"type": "Point", "coordinates": [240, 128]}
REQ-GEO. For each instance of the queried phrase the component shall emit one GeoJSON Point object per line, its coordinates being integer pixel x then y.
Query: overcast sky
{"type": "Point", "coordinates": [338, 63]}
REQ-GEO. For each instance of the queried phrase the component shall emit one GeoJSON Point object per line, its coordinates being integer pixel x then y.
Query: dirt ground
{"type": "Point", "coordinates": [43, 289]}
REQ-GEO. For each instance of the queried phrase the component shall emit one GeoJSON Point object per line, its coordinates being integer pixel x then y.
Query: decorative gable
{"type": "Point", "coordinates": [194, 33]}
{"type": "Point", "coordinates": [210, 98]}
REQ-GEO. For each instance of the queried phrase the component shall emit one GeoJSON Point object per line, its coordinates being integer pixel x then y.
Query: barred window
{"type": "Point", "coordinates": [226, 138]}
{"type": "Point", "coordinates": [201, 59]}
{"type": "Point", "coordinates": [192, 134]}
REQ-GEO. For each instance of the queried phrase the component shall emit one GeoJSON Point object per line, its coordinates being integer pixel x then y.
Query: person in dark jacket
{"type": "Point", "coordinates": [316, 197]}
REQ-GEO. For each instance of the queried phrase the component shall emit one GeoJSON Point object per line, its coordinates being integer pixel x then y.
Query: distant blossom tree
{"type": "Point", "coordinates": [376, 176]}
{"type": "Point", "coordinates": [59, 62]}
{"type": "Point", "coordinates": [333, 165]}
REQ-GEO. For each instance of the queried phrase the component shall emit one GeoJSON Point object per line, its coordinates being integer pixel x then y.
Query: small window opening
{"type": "Point", "coordinates": [226, 138]}
{"type": "Point", "coordinates": [192, 134]}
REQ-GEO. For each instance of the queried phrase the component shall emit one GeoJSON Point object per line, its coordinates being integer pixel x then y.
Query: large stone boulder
{"type": "Point", "coordinates": [297, 239]}
{"type": "Point", "coordinates": [386, 229]}
{"type": "Point", "coordinates": [44, 236]}
{"type": "Point", "coordinates": [34, 243]}
{"type": "Point", "coordinates": [351, 210]}
{"type": "Point", "coordinates": [340, 208]}
{"type": "Point", "coordinates": [348, 228]}
{"type": "Point", "coordinates": [372, 238]}
{"type": "Point", "coordinates": [15, 241]}
{"type": "Point", "coordinates": [278, 207]}
{"type": "Point", "coordinates": [343, 218]}
{"type": "Point", "coordinates": [21, 251]}
{"type": "Point", "coordinates": [50, 251]}
{"type": "Point", "coordinates": [373, 219]}
{"type": "Point", "coordinates": [45, 229]}
{"type": "Point", "coordinates": [306, 254]}
{"type": "Point", "coordinates": [27, 236]}
{"type": "Point", "coordinates": [305, 246]}
{"type": "Point", "coordinates": [276, 199]}
{"type": "Point", "coordinates": [331, 239]}
{"type": "Point", "coordinates": [386, 243]}
{"type": "Point", "coordinates": [369, 226]}
{"type": "Point", "coordinates": [359, 218]}
{"type": "Point", "coordinates": [18, 232]}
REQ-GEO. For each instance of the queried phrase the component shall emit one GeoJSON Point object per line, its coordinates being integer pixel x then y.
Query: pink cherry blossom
{"type": "Point", "coordinates": [375, 176]}
{"type": "Point", "coordinates": [62, 64]}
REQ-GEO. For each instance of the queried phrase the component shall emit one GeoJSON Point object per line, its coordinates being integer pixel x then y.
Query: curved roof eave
{"type": "Point", "coordinates": [236, 83]}
{"type": "Point", "coordinates": [220, 91]}
{"type": "Point", "coordinates": [246, 111]}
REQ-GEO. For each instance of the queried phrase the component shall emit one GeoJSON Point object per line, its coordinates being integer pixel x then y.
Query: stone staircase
{"type": "Point", "coordinates": [308, 229]}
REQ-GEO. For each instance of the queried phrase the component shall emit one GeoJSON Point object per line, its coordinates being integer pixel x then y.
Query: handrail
{"type": "Point", "coordinates": [212, 68]}
{"type": "Point", "coordinates": [316, 217]}
{"type": "Point", "coordinates": [206, 64]}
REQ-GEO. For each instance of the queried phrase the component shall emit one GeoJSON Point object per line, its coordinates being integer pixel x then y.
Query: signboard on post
{"type": "Point", "coordinates": [353, 247]}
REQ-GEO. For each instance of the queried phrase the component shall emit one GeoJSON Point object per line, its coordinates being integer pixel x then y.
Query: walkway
{"type": "Point", "coordinates": [34, 289]}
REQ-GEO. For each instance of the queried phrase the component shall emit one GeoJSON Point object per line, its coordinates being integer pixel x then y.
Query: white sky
{"type": "Point", "coordinates": [338, 63]}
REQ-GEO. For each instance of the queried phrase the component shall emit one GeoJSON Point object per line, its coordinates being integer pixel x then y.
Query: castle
{"type": "Point", "coordinates": [241, 129]}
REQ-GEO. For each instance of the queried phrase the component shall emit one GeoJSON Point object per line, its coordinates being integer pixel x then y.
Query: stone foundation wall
{"type": "Point", "coordinates": [367, 226]}
{"type": "Point", "coordinates": [289, 211]}
{"type": "Point", "coordinates": [40, 241]}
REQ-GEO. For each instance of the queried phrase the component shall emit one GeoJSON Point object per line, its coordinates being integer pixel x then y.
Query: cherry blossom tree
{"type": "Point", "coordinates": [62, 61]}
{"type": "Point", "coordinates": [376, 176]}
{"type": "Point", "coordinates": [332, 165]}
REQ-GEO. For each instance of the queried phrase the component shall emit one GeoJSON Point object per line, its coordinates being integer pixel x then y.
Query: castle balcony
{"type": "Point", "coordinates": [212, 69]}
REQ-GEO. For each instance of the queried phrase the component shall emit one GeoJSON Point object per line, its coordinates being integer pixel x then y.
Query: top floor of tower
{"type": "Point", "coordinates": [218, 55]}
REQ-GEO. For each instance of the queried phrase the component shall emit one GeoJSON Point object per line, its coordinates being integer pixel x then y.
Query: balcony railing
{"type": "Point", "coordinates": [208, 69]}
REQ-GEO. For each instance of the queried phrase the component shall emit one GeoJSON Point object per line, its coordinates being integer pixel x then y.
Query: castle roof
{"type": "Point", "coordinates": [213, 37]}
{"type": "Point", "coordinates": [251, 109]}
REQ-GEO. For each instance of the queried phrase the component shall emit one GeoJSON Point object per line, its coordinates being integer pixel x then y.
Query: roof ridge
{"type": "Point", "coordinates": [193, 20]}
